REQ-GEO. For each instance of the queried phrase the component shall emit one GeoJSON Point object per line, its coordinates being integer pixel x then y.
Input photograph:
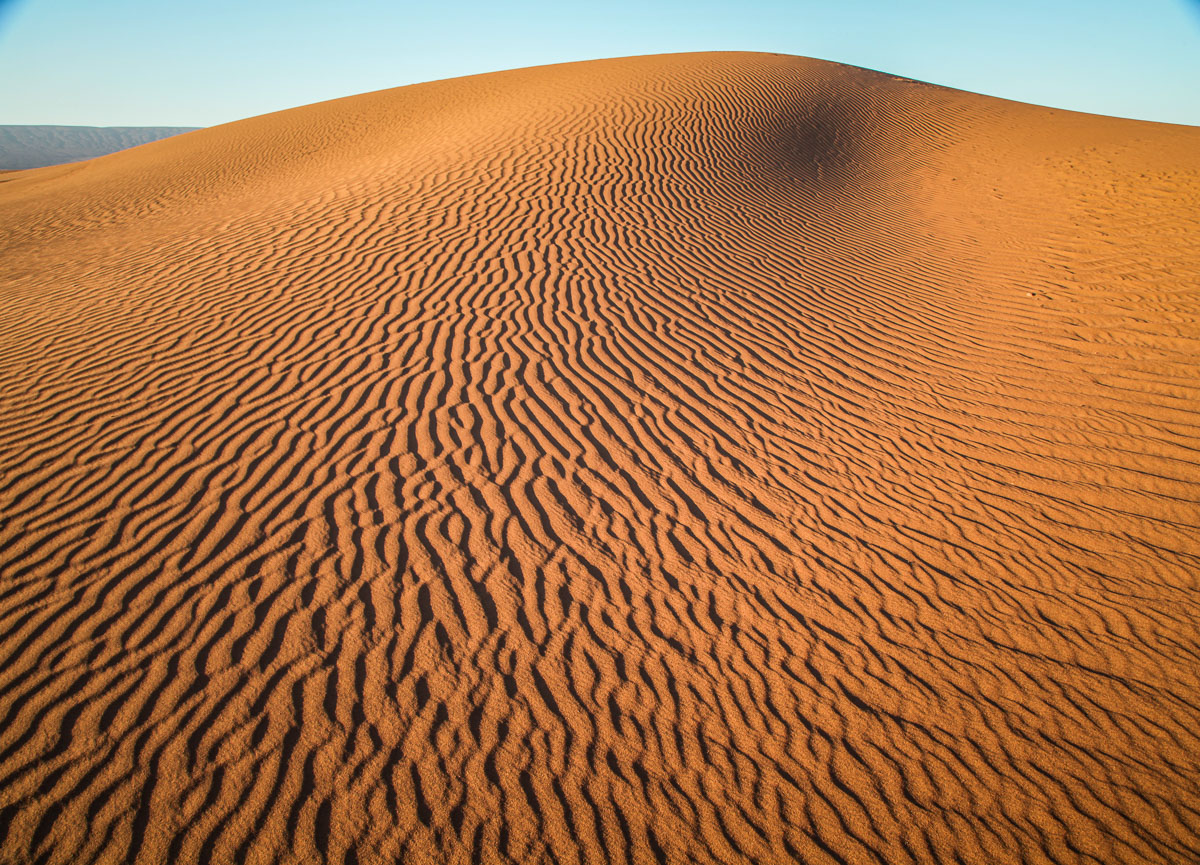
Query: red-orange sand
{"type": "Point", "coordinates": [701, 458]}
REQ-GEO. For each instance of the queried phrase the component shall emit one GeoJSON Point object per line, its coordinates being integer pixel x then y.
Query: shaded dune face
{"type": "Point", "coordinates": [698, 458]}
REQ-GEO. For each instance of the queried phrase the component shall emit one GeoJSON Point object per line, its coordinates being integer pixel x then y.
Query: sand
{"type": "Point", "coordinates": [696, 458]}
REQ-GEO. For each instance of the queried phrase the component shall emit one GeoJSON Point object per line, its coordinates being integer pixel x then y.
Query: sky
{"type": "Point", "coordinates": [165, 63]}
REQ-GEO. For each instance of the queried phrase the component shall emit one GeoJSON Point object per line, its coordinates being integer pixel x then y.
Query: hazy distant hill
{"type": "Point", "coordinates": [36, 146]}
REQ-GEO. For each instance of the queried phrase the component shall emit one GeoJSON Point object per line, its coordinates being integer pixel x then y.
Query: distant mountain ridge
{"type": "Point", "coordinates": [39, 146]}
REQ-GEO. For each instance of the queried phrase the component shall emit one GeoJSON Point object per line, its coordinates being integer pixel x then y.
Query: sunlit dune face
{"type": "Point", "coordinates": [696, 458]}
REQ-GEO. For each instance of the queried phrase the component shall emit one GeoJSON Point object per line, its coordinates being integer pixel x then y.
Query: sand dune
{"type": "Point", "coordinates": [39, 146]}
{"type": "Point", "coordinates": [697, 458]}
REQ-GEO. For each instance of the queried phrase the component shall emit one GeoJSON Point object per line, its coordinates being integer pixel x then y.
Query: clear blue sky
{"type": "Point", "coordinates": [171, 63]}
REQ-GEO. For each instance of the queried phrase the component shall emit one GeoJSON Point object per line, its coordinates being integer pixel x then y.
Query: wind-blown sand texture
{"type": "Point", "coordinates": [39, 146]}
{"type": "Point", "coordinates": [697, 458]}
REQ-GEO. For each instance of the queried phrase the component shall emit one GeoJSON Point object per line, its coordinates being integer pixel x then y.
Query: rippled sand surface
{"type": "Point", "coordinates": [696, 458]}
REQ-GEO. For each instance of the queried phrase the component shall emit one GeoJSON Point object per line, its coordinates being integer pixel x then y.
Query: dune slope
{"type": "Point", "coordinates": [697, 458]}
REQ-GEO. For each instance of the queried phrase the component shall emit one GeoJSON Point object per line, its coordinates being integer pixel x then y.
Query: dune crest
{"type": "Point", "coordinates": [694, 458]}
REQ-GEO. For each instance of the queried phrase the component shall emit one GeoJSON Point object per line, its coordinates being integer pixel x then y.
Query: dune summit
{"type": "Point", "coordinates": [695, 458]}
